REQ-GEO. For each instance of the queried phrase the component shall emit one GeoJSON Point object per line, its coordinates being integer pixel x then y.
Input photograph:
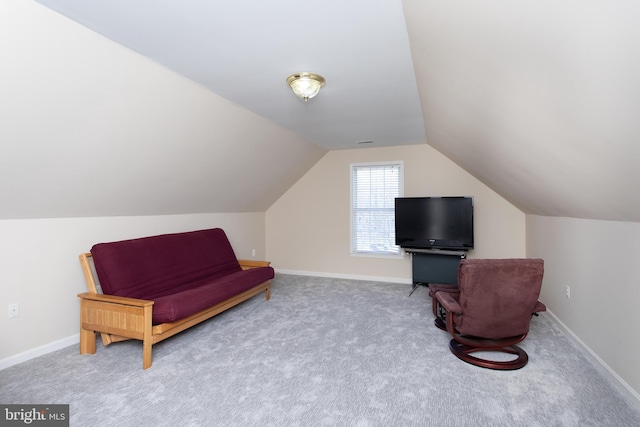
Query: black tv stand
{"type": "Point", "coordinates": [434, 266]}
{"type": "Point", "coordinates": [416, 285]}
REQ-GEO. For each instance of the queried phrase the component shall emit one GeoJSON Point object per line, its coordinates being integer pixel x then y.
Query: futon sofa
{"type": "Point", "coordinates": [151, 288]}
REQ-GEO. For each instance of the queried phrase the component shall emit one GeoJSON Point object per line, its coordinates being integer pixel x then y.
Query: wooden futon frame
{"type": "Point", "coordinates": [120, 318]}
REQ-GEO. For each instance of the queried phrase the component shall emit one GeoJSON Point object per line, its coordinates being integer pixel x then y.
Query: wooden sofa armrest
{"type": "Point", "coordinates": [135, 302]}
{"type": "Point", "coordinates": [248, 263]}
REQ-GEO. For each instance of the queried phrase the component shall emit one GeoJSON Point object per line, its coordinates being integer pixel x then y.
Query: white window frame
{"type": "Point", "coordinates": [394, 251]}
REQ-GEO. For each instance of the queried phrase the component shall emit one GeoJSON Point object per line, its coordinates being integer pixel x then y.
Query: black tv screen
{"type": "Point", "coordinates": [434, 222]}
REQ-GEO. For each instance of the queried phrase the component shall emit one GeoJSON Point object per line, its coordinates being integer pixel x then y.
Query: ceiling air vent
{"type": "Point", "coordinates": [364, 142]}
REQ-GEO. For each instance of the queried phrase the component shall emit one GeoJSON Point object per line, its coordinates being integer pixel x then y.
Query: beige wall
{"type": "Point", "coordinates": [41, 272]}
{"type": "Point", "coordinates": [308, 229]}
{"type": "Point", "coordinates": [598, 260]}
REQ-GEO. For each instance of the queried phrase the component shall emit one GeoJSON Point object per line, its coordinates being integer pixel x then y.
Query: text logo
{"type": "Point", "coordinates": [34, 415]}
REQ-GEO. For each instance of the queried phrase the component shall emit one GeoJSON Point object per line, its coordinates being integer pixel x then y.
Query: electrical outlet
{"type": "Point", "coordinates": [253, 253]}
{"type": "Point", "coordinates": [568, 292]}
{"type": "Point", "coordinates": [13, 310]}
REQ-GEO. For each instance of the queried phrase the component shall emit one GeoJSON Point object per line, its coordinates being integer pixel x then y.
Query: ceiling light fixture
{"type": "Point", "coordinates": [305, 85]}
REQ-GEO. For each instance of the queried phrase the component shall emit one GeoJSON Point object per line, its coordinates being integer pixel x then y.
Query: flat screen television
{"type": "Point", "coordinates": [434, 222]}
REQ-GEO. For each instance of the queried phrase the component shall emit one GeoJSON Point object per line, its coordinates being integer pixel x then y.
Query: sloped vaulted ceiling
{"type": "Point", "coordinates": [539, 100]}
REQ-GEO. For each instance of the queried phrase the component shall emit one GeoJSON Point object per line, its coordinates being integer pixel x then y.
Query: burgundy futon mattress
{"type": "Point", "coordinates": [182, 273]}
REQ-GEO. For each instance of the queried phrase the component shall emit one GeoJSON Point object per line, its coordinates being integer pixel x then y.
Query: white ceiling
{"type": "Point", "coordinates": [244, 50]}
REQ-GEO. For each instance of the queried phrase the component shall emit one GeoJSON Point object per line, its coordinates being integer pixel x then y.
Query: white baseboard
{"type": "Point", "coordinates": [347, 276]}
{"type": "Point", "coordinates": [39, 351]}
{"type": "Point", "coordinates": [615, 379]}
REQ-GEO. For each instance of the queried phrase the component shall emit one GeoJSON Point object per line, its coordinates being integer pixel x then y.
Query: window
{"type": "Point", "coordinates": [374, 187]}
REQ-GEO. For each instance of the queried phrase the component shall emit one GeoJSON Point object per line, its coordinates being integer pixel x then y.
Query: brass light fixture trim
{"type": "Point", "coordinates": [306, 85]}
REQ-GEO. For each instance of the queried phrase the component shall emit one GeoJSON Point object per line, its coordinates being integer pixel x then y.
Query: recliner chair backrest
{"type": "Point", "coordinates": [498, 296]}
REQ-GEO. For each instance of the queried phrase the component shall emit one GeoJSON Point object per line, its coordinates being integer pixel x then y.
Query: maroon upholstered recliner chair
{"type": "Point", "coordinates": [493, 309]}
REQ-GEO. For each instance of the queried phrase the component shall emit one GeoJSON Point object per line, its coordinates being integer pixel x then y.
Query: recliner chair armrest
{"type": "Point", "coordinates": [539, 307]}
{"type": "Point", "coordinates": [449, 303]}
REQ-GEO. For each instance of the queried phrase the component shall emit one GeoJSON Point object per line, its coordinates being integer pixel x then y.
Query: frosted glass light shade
{"type": "Point", "coordinates": [305, 85]}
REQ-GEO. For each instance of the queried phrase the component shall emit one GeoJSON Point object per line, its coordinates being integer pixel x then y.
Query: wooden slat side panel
{"type": "Point", "coordinates": [113, 319]}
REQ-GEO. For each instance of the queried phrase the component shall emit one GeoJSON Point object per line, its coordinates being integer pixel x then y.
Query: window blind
{"type": "Point", "coordinates": [374, 189]}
